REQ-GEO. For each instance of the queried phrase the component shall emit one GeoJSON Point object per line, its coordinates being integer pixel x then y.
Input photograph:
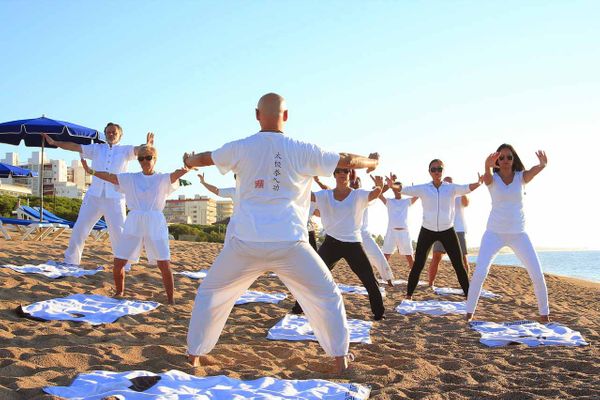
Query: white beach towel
{"type": "Point", "coordinates": [527, 332]}
{"type": "Point", "coordinates": [252, 296]}
{"type": "Point", "coordinates": [194, 274]}
{"type": "Point", "coordinates": [175, 384]}
{"type": "Point", "coordinates": [296, 327]}
{"type": "Point", "coordinates": [433, 307]}
{"type": "Point", "coordinates": [91, 308]}
{"type": "Point", "coordinates": [444, 291]}
{"type": "Point", "coordinates": [52, 269]}
{"type": "Point", "coordinates": [357, 289]}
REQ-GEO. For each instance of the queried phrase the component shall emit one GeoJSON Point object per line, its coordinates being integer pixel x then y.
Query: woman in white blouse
{"type": "Point", "coordinates": [341, 211]}
{"type": "Point", "coordinates": [102, 199]}
{"type": "Point", "coordinates": [145, 193]}
{"type": "Point", "coordinates": [505, 177]}
{"type": "Point", "coordinates": [438, 202]}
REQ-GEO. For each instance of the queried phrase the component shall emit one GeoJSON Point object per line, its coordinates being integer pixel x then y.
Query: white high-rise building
{"type": "Point", "coordinates": [200, 210]}
{"type": "Point", "coordinates": [59, 179]}
{"type": "Point", "coordinates": [11, 158]}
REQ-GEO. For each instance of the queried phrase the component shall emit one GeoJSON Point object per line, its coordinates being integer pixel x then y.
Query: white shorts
{"type": "Point", "coordinates": [398, 239]}
{"type": "Point", "coordinates": [130, 247]}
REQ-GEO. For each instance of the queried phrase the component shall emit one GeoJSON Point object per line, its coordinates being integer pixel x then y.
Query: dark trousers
{"type": "Point", "coordinates": [332, 250]}
{"type": "Point", "coordinates": [426, 240]}
{"type": "Point", "coordinates": [312, 240]}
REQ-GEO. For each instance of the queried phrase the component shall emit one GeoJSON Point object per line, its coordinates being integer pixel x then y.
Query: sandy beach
{"type": "Point", "coordinates": [415, 357]}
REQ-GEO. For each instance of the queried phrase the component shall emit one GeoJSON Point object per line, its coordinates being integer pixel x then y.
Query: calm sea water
{"type": "Point", "coordinates": [576, 264]}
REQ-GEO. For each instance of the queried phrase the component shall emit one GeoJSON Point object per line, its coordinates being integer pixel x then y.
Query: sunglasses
{"type": "Point", "coordinates": [509, 158]}
{"type": "Point", "coordinates": [338, 170]}
{"type": "Point", "coordinates": [147, 158]}
{"type": "Point", "coordinates": [436, 169]}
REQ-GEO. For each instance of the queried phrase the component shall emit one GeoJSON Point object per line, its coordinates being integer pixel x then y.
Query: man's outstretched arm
{"type": "Point", "coordinates": [354, 161]}
{"type": "Point", "coordinates": [192, 160]}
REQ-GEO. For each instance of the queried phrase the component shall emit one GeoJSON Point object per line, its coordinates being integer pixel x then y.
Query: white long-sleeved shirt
{"type": "Point", "coordinates": [107, 158]}
{"type": "Point", "coordinates": [438, 203]}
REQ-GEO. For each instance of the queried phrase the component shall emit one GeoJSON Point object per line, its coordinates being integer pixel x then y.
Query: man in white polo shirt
{"type": "Point", "coordinates": [274, 176]}
{"type": "Point", "coordinates": [102, 198]}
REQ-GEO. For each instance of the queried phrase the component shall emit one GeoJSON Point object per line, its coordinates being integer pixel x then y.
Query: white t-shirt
{"type": "Point", "coordinates": [398, 212]}
{"type": "Point", "coordinates": [146, 196]}
{"type": "Point", "coordinates": [459, 216]}
{"type": "Point", "coordinates": [342, 220]}
{"type": "Point", "coordinates": [274, 175]}
{"type": "Point", "coordinates": [438, 203]}
{"type": "Point", "coordinates": [507, 214]}
{"type": "Point", "coordinates": [110, 159]}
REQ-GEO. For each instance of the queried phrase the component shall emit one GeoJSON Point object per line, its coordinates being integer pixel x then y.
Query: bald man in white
{"type": "Point", "coordinates": [274, 175]}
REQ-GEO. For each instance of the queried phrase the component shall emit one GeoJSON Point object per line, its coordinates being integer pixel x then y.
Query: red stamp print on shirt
{"type": "Point", "coordinates": [259, 184]}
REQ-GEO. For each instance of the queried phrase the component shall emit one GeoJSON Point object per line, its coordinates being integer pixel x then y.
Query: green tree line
{"type": "Point", "coordinates": [198, 233]}
{"type": "Point", "coordinates": [68, 208]}
{"type": "Point", "coordinates": [64, 207]}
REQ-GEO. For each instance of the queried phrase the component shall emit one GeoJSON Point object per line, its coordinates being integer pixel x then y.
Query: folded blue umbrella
{"type": "Point", "coordinates": [7, 170]}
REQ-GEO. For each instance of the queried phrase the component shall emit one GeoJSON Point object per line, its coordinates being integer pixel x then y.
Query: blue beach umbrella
{"type": "Point", "coordinates": [30, 132]}
{"type": "Point", "coordinates": [7, 170]}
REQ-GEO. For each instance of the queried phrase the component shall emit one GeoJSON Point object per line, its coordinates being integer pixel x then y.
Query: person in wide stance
{"type": "Point", "coordinates": [505, 175]}
{"type": "Point", "coordinates": [274, 174]}
{"type": "Point", "coordinates": [102, 198]}
{"type": "Point", "coordinates": [146, 193]}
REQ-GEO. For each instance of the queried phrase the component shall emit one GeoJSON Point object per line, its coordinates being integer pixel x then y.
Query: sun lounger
{"type": "Point", "coordinates": [99, 231]}
{"type": "Point", "coordinates": [60, 225]}
{"type": "Point", "coordinates": [30, 230]}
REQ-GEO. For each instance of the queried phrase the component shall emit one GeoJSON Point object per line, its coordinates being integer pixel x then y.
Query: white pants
{"type": "Point", "coordinates": [130, 248]}
{"type": "Point", "coordinates": [400, 239]}
{"type": "Point", "coordinates": [376, 257]}
{"type": "Point", "coordinates": [297, 265]}
{"type": "Point", "coordinates": [92, 208]}
{"type": "Point", "coordinates": [520, 243]}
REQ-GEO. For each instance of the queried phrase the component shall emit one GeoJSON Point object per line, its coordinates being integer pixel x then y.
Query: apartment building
{"type": "Point", "coordinates": [200, 210]}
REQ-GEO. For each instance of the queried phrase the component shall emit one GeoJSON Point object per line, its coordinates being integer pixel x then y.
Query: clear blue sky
{"type": "Point", "coordinates": [412, 80]}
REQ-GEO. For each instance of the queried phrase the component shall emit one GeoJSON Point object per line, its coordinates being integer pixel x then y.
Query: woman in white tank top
{"type": "Point", "coordinates": [505, 177]}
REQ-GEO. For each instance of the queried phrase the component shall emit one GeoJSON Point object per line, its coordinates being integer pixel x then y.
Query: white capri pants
{"type": "Point", "coordinates": [92, 208]}
{"type": "Point", "coordinates": [376, 257]}
{"type": "Point", "coordinates": [130, 247]}
{"type": "Point", "coordinates": [520, 243]}
{"type": "Point", "coordinates": [298, 266]}
{"type": "Point", "coordinates": [398, 238]}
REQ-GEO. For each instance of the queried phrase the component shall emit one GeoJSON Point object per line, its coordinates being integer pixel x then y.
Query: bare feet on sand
{"type": "Point", "coordinates": [341, 363]}
{"type": "Point", "coordinates": [119, 295]}
{"type": "Point", "coordinates": [544, 319]}
{"type": "Point", "coordinates": [194, 360]}
{"type": "Point", "coordinates": [469, 317]}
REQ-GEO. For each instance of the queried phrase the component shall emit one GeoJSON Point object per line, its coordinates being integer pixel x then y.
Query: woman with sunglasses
{"type": "Point", "coordinates": [505, 175]}
{"type": "Point", "coordinates": [438, 199]}
{"type": "Point", "coordinates": [102, 199]}
{"type": "Point", "coordinates": [341, 211]}
{"type": "Point", "coordinates": [145, 193]}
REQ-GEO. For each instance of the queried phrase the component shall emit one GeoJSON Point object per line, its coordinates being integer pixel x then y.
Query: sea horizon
{"type": "Point", "coordinates": [580, 264]}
